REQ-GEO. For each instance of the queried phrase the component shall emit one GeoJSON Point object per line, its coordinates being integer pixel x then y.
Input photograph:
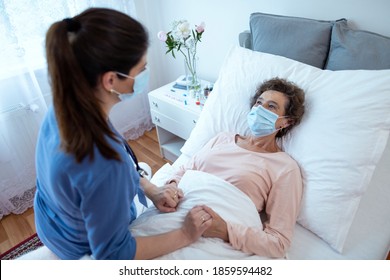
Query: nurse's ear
{"type": "Point", "coordinates": [108, 80]}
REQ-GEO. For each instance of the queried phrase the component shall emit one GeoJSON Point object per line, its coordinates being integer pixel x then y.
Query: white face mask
{"type": "Point", "coordinates": [140, 83]}
{"type": "Point", "coordinates": [262, 121]}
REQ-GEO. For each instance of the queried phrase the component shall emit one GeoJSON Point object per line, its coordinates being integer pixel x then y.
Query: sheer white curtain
{"type": "Point", "coordinates": [25, 92]}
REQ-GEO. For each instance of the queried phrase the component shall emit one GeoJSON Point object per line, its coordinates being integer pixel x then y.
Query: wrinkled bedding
{"type": "Point", "coordinates": [202, 188]}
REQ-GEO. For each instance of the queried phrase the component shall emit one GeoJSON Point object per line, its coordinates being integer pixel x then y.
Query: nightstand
{"type": "Point", "coordinates": [174, 115]}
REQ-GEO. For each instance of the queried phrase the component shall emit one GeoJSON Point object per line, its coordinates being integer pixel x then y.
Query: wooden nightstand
{"type": "Point", "coordinates": [174, 115]}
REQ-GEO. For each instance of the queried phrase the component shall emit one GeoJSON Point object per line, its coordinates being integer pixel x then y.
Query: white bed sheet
{"type": "Point", "coordinates": [202, 188]}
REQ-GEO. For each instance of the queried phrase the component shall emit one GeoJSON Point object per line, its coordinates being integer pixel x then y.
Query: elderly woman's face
{"type": "Point", "coordinates": [273, 101]}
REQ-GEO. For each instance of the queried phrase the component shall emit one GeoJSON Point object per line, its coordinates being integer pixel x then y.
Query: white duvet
{"type": "Point", "coordinates": [202, 188]}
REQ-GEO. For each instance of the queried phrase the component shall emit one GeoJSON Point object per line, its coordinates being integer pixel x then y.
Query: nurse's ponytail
{"type": "Point", "coordinates": [79, 50]}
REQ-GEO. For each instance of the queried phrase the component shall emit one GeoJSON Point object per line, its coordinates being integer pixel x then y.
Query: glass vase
{"type": "Point", "coordinates": [192, 79]}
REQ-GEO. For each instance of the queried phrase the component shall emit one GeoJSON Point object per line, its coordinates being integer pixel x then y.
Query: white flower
{"type": "Point", "coordinates": [184, 29]}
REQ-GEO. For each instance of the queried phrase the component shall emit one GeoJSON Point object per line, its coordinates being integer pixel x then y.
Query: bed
{"type": "Point", "coordinates": [342, 145]}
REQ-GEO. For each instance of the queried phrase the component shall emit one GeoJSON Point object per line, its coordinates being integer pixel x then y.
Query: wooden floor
{"type": "Point", "coordinates": [16, 228]}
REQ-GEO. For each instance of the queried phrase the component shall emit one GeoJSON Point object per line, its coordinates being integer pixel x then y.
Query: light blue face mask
{"type": "Point", "coordinates": [262, 121]}
{"type": "Point", "coordinates": [140, 84]}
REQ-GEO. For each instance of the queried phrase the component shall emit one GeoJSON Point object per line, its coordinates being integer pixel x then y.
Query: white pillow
{"type": "Point", "coordinates": [338, 143]}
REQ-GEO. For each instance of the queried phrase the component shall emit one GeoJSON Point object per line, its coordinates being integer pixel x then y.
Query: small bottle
{"type": "Point", "coordinates": [206, 92]}
{"type": "Point", "coordinates": [197, 99]}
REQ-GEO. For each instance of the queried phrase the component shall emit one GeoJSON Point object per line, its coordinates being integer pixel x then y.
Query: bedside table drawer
{"type": "Point", "coordinates": [181, 126]}
{"type": "Point", "coordinates": [176, 110]}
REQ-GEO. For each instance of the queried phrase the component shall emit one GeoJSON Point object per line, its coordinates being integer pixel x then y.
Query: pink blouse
{"type": "Point", "coordinates": [271, 180]}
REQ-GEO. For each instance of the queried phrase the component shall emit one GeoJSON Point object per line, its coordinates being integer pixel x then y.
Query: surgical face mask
{"type": "Point", "coordinates": [140, 83]}
{"type": "Point", "coordinates": [262, 121]}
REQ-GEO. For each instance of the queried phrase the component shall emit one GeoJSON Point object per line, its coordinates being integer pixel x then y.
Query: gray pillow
{"type": "Point", "coordinates": [357, 49]}
{"type": "Point", "coordinates": [301, 39]}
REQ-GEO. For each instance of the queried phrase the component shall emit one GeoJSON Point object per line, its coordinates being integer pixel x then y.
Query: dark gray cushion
{"type": "Point", "coordinates": [301, 39]}
{"type": "Point", "coordinates": [357, 49]}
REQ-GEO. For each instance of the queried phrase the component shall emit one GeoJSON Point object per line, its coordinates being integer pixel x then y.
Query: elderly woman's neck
{"type": "Point", "coordinates": [265, 144]}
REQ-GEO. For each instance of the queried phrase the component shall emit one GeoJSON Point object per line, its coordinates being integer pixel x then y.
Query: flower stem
{"type": "Point", "coordinates": [190, 65]}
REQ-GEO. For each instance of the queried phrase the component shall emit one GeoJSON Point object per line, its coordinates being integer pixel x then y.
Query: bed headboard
{"type": "Point", "coordinates": [332, 45]}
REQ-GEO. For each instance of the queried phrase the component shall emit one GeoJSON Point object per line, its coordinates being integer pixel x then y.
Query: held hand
{"type": "Point", "coordinates": [196, 222]}
{"type": "Point", "coordinates": [166, 198]}
{"type": "Point", "coordinates": [218, 227]}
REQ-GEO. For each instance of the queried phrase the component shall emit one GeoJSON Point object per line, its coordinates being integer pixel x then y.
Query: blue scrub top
{"type": "Point", "coordinates": [84, 208]}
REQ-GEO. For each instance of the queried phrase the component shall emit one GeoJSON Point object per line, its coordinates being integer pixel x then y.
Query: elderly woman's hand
{"type": "Point", "coordinates": [196, 222]}
{"type": "Point", "coordinates": [218, 227]}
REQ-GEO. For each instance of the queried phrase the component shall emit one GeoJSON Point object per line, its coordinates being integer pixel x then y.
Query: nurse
{"type": "Point", "coordinates": [87, 175]}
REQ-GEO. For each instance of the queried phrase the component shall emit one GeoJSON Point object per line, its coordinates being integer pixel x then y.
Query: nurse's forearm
{"type": "Point", "coordinates": [148, 187]}
{"type": "Point", "coordinates": [149, 247]}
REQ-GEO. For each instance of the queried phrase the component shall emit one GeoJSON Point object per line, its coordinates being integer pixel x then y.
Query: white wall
{"type": "Point", "coordinates": [226, 18]}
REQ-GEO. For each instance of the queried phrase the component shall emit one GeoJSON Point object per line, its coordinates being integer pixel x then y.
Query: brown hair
{"type": "Point", "coordinates": [79, 50]}
{"type": "Point", "coordinates": [295, 107]}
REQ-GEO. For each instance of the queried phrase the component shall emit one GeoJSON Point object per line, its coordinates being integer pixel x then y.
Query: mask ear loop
{"type": "Point", "coordinates": [113, 91]}
{"type": "Point", "coordinates": [281, 128]}
{"type": "Point", "coordinates": [281, 117]}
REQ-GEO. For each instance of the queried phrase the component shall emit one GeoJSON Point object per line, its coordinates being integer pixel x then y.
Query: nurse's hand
{"type": "Point", "coordinates": [167, 197]}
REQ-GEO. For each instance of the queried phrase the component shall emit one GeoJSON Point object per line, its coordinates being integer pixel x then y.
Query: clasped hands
{"type": "Point", "coordinates": [201, 217]}
{"type": "Point", "coordinates": [167, 198]}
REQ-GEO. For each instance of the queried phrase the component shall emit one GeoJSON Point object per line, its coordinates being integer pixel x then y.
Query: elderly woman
{"type": "Point", "coordinates": [257, 165]}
